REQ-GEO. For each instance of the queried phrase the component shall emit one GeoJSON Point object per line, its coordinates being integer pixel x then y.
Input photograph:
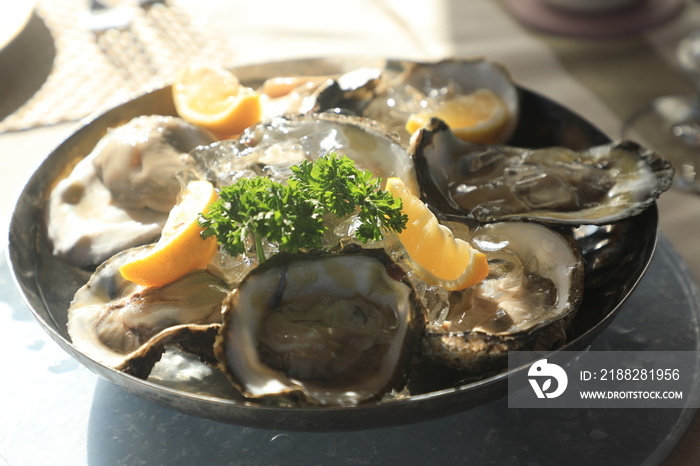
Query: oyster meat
{"type": "Point", "coordinates": [320, 328]}
{"type": "Point", "coordinates": [555, 185]}
{"type": "Point", "coordinates": [532, 292]}
{"type": "Point", "coordinates": [125, 326]}
{"type": "Point", "coordinates": [120, 194]}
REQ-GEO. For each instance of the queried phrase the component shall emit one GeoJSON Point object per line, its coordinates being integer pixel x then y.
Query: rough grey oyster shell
{"type": "Point", "coordinates": [554, 185]}
{"type": "Point", "coordinates": [333, 329]}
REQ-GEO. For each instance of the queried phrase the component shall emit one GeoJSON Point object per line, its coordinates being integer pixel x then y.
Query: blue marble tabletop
{"type": "Point", "coordinates": [54, 408]}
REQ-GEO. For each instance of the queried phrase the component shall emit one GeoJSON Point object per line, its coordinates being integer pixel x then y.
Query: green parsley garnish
{"type": "Point", "coordinates": [291, 214]}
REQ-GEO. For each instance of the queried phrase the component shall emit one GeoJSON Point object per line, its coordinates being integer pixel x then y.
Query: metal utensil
{"type": "Point", "coordinates": [112, 28]}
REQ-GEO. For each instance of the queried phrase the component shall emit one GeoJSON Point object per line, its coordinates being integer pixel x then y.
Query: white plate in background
{"type": "Point", "coordinates": [14, 16]}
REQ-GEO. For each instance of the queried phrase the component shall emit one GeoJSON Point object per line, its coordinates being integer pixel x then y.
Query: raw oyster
{"type": "Point", "coordinates": [351, 91]}
{"type": "Point", "coordinates": [120, 194]}
{"type": "Point", "coordinates": [320, 328]}
{"type": "Point", "coordinates": [125, 326]}
{"type": "Point", "coordinates": [291, 95]}
{"type": "Point", "coordinates": [271, 148]}
{"type": "Point", "coordinates": [555, 185]}
{"type": "Point", "coordinates": [420, 86]}
{"type": "Point", "coordinates": [532, 292]}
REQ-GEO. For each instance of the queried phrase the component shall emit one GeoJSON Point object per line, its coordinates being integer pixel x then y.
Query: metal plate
{"type": "Point", "coordinates": [617, 257]}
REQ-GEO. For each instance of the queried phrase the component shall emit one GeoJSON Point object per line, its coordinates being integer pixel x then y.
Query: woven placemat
{"type": "Point", "coordinates": [55, 70]}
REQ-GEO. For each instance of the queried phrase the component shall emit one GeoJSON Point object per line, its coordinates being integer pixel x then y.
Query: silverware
{"type": "Point", "coordinates": [114, 32]}
{"type": "Point", "coordinates": [173, 27]}
{"type": "Point", "coordinates": [147, 41]}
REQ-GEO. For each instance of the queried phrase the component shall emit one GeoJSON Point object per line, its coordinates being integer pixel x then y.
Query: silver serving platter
{"type": "Point", "coordinates": [616, 255]}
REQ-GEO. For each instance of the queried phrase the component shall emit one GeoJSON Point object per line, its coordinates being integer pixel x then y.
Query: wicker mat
{"type": "Point", "coordinates": [55, 71]}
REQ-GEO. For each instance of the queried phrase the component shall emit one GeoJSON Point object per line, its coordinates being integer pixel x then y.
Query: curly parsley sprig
{"type": "Point", "coordinates": [291, 214]}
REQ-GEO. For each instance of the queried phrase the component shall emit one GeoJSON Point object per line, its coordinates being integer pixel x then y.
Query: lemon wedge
{"type": "Point", "coordinates": [180, 248]}
{"type": "Point", "coordinates": [439, 257]}
{"type": "Point", "coordinates": [212, 97]}
{"type": "Point", "coordinates": [476, 117]}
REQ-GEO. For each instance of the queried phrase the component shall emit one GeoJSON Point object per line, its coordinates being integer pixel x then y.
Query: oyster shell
{"type": "Point", "coordinates": [532, 292]}
{"type": "Point", "coordinates": [271, 148]}
{"type": "Point", "coordinates": [320, 328]}
{"type": "Point", "coordinates": [120, 194]}
{"type": "Point", "coordinates": [292, 95]}
{"type": "Point", "coordinates": [554, 185]}
{"type": "Point", "coordinates": [125, 326]}
{"type": "Point", "coordinates": [423, 85]}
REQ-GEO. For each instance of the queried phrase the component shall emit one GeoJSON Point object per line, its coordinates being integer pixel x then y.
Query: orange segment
{"type": "Point", "coordinates": [441, 258]}
{"type": "Point", "coordinates": [180, 248]}
{"type": "Point", "coordinates": [212, 97]}
{"type": "Point", "coordinates": [476, 117]}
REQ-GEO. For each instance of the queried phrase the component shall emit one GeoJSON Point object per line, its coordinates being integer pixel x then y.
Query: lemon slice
{"type": "Point", "coordinates": [440, 258]}
{"type": "Point", "coordinates": [476, 117]}
{"type": "Point", "coordinates": [180, 248]}
{"type": "Point", "coordinates": [212, 97]}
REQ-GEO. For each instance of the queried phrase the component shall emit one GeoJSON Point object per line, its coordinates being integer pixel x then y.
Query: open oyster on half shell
{"type": "Point", "coordinates": [120, 194]}
{"type": "Point", "coordinates": [270, 148]}
{"type": "Point", "coordinates": [294, 95]}
{"type": "Point", "coordinates": [332, 329]}
{"type": "Point", "coordinates": [126, 326]}
{"type": "Point", "coordinates": [553, 185]}
{"type": "Point", "coordinates": [391, 94]}
{"type": "Point", "coordinates": [527, 301]}
{"type": "Point", "coordinates": [426, 87]}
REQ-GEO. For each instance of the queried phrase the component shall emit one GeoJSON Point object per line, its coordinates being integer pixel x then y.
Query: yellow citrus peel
{"type": "Point", "coordinates": [439, 257]}
{"type": "Point", "coordinates": [476, 117]}
{"type": "Point", "coordinates": [212, 97]}
{"type": "Point", "coordinates": [180, 249]}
